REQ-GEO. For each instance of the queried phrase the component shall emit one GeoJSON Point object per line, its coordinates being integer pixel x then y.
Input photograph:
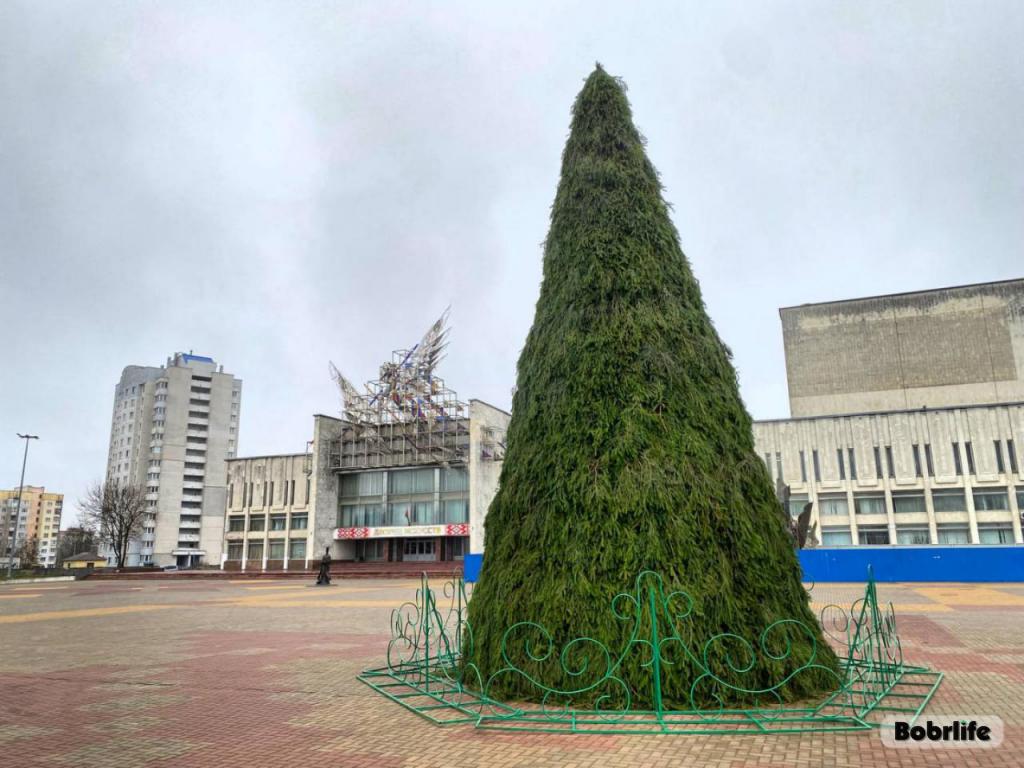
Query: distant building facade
{"type": "Point", "coordinates": [405, 475]}
{"type": "Point", "coordinates": [283, 512]}
{"type": "Point", "coordinates": [908, 417]}
{"type": "Point", "coordinates": [172, 431]}
{"type": "Point", "coordinates": [37, 522]}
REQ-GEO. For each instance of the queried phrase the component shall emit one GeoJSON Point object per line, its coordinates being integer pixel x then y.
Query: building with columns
{"type": "Point", "coordinates": [908, 417]}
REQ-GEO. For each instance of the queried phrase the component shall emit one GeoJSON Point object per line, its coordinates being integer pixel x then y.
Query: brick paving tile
{"type": "Point", "coordinates": [244, 675]}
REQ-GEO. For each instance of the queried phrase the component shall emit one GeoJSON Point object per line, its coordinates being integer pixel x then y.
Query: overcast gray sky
{"type": "Point", "coordinates": [279, 184]}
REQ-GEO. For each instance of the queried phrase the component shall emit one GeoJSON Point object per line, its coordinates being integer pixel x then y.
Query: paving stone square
{"type": "Point", "coordinates": [253, 673]}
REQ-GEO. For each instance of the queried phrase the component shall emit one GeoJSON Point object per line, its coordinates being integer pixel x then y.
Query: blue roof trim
{"type": "Point", "coordinates": [198, 358]}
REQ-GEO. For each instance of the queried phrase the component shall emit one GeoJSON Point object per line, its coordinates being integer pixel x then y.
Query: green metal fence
{"type": "Point", "coordinates": [427, 674]}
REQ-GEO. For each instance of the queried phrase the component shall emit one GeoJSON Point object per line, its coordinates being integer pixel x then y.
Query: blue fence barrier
{"type": "Point", "coordinates": [974, 562]}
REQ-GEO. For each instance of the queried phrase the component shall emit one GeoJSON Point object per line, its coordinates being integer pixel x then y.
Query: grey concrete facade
{"type": "Point", "coordinates": [934, 349]}
{"type": "Point", "coordinates": [935, 476]}
{"type": "Point", "coordinates": [268, 516]}
{"type": "Point", "coordinates": [172, 431]}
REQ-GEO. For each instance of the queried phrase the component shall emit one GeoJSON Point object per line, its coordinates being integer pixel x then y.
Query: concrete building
{"type": "Point", "coordinates": [366, 497]}
{"type": "Point", "coordinates": [172, 431]}
{"type": "Point", "coordinates": [929, 349]}
{"type": "Point", "coordinates": [908, 417]}
{"type": "Point", "coordinates": [37, 521]}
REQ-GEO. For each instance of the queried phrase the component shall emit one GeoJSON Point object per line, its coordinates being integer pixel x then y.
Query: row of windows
{"type": "Point", "coordinates": [988, 533]}
{"type": "Point", "coordinates": [847, 461]}
{"type": "Point", "coordinates": [406, 482]}
{"type": "Point", "coordinates": [259, 523]}
{"type": "Point", "coordinates": [905, 502]}
{"type": "Point", "coordinates": [403, 513]}
{"type": "Point", "coordinates": [275, 549]}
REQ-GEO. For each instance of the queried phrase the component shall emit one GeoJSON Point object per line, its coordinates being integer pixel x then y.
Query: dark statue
{"type": "Point", "coordinates": [323, 576]}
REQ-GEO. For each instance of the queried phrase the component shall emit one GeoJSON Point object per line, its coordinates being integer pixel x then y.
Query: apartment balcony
{"type": "Point", "coordinates": [148, 537]}
{"type": "Point", "coordinates": [152, 496]}
{"type": "Point", "coordinates": [197, 433]}
{"type": "Point", "coordinates": [198, 408]}
{"type": "Point", "coordinates": [204, 396]}
{"type": "Point", "coordinates": [190, 525]}
{"type": "Point", "coordinates": [187, 537]}
{"type": "Point", "coordinates": [194, 485]}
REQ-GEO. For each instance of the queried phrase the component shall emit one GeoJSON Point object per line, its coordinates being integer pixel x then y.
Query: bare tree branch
{"type": "Point", "coordinates": [116, 512]}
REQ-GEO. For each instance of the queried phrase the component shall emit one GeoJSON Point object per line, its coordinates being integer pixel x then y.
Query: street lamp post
{"type": "Point", "coordinates": [11, 537]}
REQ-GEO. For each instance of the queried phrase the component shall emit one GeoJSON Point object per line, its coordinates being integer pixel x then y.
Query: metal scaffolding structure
{"type": "Point", "coordinates": [405, 416]}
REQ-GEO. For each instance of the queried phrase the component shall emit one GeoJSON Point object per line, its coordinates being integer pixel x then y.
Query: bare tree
{"type": "Point", "coordinates": [27, 553]}
{"type": "Point", "coordinates": [116, 511]}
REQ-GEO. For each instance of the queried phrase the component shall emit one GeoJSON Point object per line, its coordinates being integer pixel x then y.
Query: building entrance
{"type": "Point", "coordinates": [420, 550]}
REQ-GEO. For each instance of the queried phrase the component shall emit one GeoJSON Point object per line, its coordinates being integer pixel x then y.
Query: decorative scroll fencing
{"type": "Point", "coordinates": [430, 670]}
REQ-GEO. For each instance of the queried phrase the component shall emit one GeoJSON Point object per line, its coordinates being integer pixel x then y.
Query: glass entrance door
{"type": "Point", "coordinates": [420, 550]}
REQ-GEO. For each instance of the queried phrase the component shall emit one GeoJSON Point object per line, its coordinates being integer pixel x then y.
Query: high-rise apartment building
{"type": "Point", "coordinates": [37, 523]}
{"type": "Point", "coordinates": [172, 431]}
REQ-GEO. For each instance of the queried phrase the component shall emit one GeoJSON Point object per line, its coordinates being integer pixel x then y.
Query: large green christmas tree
{"type": "Point", "coordinates": [629, 447]}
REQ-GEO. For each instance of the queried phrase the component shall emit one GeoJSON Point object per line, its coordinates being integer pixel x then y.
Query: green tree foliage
{"type": "Point", "coordinates": [629, 446]}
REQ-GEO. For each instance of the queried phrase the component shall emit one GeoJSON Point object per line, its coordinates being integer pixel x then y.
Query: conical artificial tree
{"type": "Point", "coordinates": [629, 449]}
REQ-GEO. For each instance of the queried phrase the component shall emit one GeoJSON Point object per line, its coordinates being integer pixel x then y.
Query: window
{"type": "Point", "coordinates": [291, 485]}
{"type": "Point", "coordinates": [360, 484]}
{"type": "Point", "coordinates": [803, 468]}
{"type": "Point", "coordinates": [457, 547]}
{"type": "Point", "coordinates": [361, 516]}
{"type": "Point", "coordinates": [297, 549]}
{"type": "Point", "coordinates": [299, 522]}
{"type": "Point", "coordinates": [412, 513]}
{"type": "Point", "coordinates": [949, 500]}
{"type": "Point", "coordinates": [420, 546]}
{"type": "Point", "coordinates": [889, 461]}
{"type": "Point", "coordinates": [271, 493]}
{"type": "Point", "coordinates": [264, 494]}
{"type": "Point", "coordinates": [842, 465]}
{"type": "Point", "coordinates": [928, 459]}
{"type": "Point", "coordinates": [817, 465]}
{"type": "Point", "coordinates": [778, 465]}
{"type": "Point", "coordinates": [957, 466]}
{"type": "Point", "coordinates": [307, 491]}
{"type": "Point", "coordinates": [878, 463]}
{"type": "Point", "coordinates": [873, 535]}
{"type": "Point", "coordinates": [411, 481]}
{"type": "Point", "coordinates": [912, 535]}
{"type": "Point", "coordinates": [1000, 467]}
{"type": "Point", "coordinates": [372, 549]}
{"type": "Point", "coordinates": [275, 549]}
{"type": "Point", "coordinates": [454, 480]}
{"type": "Point", "coordinates": [836, 537]}
{"type": "Point", "coordinates": [869, 504]}
{"type": "Point", "coordinates": [995, 533]}
{"type": "Point", "coordinates": [970, 457]}
{"type": "Point", "coordinates": [985, 501]}
{"type": "Point", "coordinates": [908, 503]}
{"type": "Point", "coordinates": [834, 505]}
{"type": "Point", "coordinates": [255, 550]}
{"type": "Point", "coordinates": [1011, 452]}
{"type": "Point", "coordinates": [853, 464]}
{"type": "Point", "coordinates": [257, 523]}
{"type": "Point", "coordinates": [1020, 498]}
{"type": "Point", "coordinates": [278, 523]}
{"type": "Point", "coordinates": [796, 505]}
{"type": "Point", "coordinates": [231, 494]}
{"type": "Point", "coordinates": [954, 534]}
{"type": "Point", "coordinates": [917, 460]}
{"type": "Point", "coordinates": [455, 511]}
